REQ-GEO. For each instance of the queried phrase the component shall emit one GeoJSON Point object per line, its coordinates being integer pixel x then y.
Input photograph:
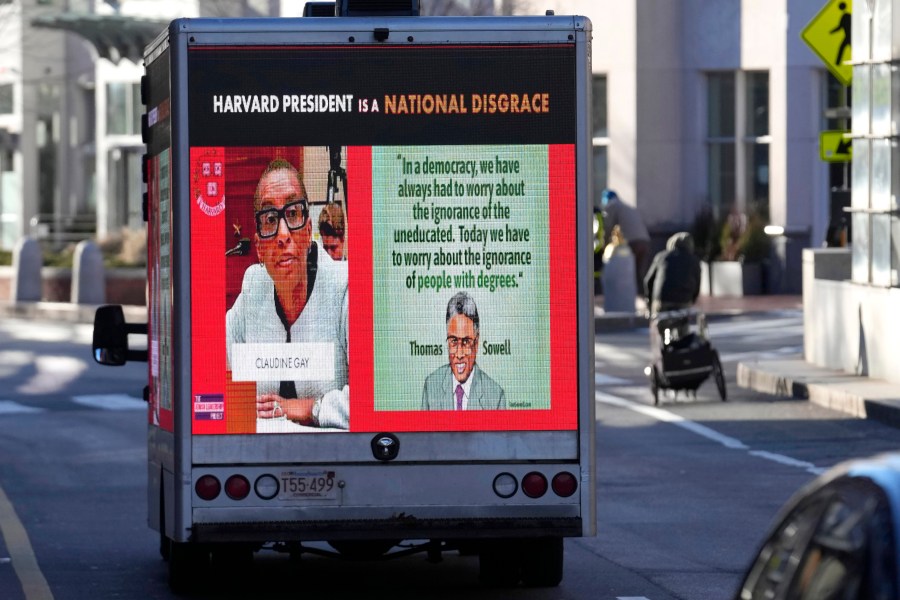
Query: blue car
{"type": "Point", "coordinates": [835, 539]}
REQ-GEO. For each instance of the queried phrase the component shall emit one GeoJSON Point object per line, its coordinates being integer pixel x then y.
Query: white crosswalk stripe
{"type": "Point", "coordinates": [96, 401]}
{"type": "Point", "coordinates": [9, 407]}
{"type": "Point", "coordinates": [601, 379]}
{"type": "Point", "coordinates": [111, 402]}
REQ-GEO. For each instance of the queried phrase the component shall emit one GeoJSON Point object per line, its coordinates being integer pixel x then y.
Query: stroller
{"type": "Point", "coordinates": [682, 356]}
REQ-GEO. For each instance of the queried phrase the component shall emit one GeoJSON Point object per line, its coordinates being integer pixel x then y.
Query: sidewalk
{"type": "Point", "coordinates": [713, 307]}
{"type": "Point", "coordinates": [788, 376]}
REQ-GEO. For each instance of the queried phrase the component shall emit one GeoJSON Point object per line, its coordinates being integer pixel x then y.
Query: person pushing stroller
{"type": "Point", "coordinates": [673, 279]}
{"type": "Point", "coordinates": [681, 359]}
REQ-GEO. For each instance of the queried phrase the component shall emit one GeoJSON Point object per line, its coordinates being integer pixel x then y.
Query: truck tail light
{"type": "Point", "coordinates": [564, 484]}
{"type": "Point", "coordinates": [505, 485]}
{"type": "Point", "coordinates": [208, 487]}
{"type": "Point", "coordinates": [266, 487]}
{"type": "Point", "coordinates": [534, 485]}
{"type": "Point", "coordinates": [237, 487]}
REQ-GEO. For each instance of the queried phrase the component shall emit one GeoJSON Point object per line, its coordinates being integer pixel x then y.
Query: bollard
{"type": "Point", "coordinates": [27, 263]}
{"type": "Point", "coordinates": [88, 274]}
{"type": "Point", "coordinates": [619, 288]}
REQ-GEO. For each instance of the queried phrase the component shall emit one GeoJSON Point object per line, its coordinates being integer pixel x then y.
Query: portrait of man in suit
{"type": "Point", "coordinates": [462, 384]}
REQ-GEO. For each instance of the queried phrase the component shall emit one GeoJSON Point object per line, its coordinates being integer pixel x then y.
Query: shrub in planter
{"type": "Point", "coordinates": [745, 246]}
{"type": "Point", "coordinates": [744, 238]}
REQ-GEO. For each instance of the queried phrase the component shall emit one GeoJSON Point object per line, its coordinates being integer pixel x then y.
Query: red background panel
{"type": "Point", "coordinates": [207, 285]}
{"type": "Point", "coordinates": [216, 282]}
{"type": "Point", "coordinates": [563, 414]}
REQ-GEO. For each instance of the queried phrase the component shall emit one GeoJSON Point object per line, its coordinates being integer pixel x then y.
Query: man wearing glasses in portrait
{"type": "Point", "coordinates": [461, 384]}
{"type": "Point", "coordinates": [296, 295]}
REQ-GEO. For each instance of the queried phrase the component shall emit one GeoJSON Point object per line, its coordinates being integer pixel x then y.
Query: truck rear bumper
{"type": "Point", "coordinates": [399, 528]}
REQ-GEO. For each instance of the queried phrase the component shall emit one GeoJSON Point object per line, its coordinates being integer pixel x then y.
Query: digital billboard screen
{"type": "Point", "coordinates": [395, 222]}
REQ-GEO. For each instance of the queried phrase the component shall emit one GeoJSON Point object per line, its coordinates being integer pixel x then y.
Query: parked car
{"type": "Point", "coordinates": [835, 539]}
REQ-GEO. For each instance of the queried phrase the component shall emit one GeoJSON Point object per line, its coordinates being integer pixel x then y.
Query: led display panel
{"type": "Point", "coordinates": [383, 238]}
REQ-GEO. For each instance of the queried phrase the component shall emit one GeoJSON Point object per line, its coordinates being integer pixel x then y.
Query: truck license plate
{"type": "Point", "coordinates": [314, 485]}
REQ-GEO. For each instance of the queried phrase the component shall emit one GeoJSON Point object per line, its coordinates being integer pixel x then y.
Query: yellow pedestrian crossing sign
{"type": "Point", "coordinates": [828, 34]}
{"type": "Point", "coordinates": [835, 146]}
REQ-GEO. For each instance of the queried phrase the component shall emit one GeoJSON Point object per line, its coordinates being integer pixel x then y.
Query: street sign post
{"type": "Point", "coordinates": [835, 146]}
{"type": "Point", "coordinates": [828, 34]}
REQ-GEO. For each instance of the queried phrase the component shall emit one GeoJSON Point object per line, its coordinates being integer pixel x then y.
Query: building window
{"type": "Point", "coordinates": [720, 142]}
{"type": "Point", "coordinates": [738, 141]}
{"type": "Point", "coordinates": [756, 141]}
{"type": "Point", "coordinates": [600, 135]}
{"type": "Point", "coordinates": [123, 108]}
{"type": "Point", "coordinates": [6, 99]}
{"type": "Point", "coordinates": [874, 204]}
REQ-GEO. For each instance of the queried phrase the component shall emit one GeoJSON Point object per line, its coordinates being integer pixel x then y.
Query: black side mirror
{"type": "Point", "coordinates": [110, 343]}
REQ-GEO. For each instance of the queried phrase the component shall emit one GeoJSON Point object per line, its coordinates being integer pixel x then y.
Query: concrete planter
{"type": "Point", "coordinates": [733, 278]}
{"type": "Point", "coordinates": [123, 286]}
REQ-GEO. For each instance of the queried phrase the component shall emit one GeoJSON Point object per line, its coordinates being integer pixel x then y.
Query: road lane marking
{"type": "Point", "coordinates": [702, 430]}
{"type": "Point", "coordinates": [787, 460]}
{"type": "Point", "coordinates": [111, 402]}
{"type": "Point", "coordinates": [34, 585]}
{"type": "Point", "coordinates": [601, 379]}
{"type": "Point", "coordinates": [632, 598]}
{"type": "Point", "coordinates": [9, 407]}
{"type": "Point", "coordinates": [53, 374]}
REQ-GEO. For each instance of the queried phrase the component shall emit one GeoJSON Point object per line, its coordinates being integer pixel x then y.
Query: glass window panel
{"type": "Point", "coordinates": [721, 162]}
{"type": "Point", "coordinates": [895, 176]}
{"type": "Point", "coordinates": [860, 90]}
{"type": "Point", "coordinates": [881, 99]}
{"type": "Point", "coordinates": [116, 108]}
{"type": "Point", "coordinates": [837, 96]}
{"type": "Point", "coordinates": [859, 197]}
{"type": "Point", "coordinates": [757, 103]}
{"type": "Point", "coordinates": [720, 103]}
{"type": "Point", "coordinates": [601, 169]}
{"type": "Point", "coordinates": [133, 190]}
{"type": "Point", "coordinates": [598, 92]}
{"type": "Point", "coordinates": [895, 96]}
{"type": "Point", "coordinates": [895, 251]}
{"type": "Point", "coordinates": [137, 109]}
{"type": "Point", "coordinates": [758, 178]}
{"type": "Point", "coordinates": [881, 175]}
{"type": "Point", "coordinates": [6, 99]}
{"type": "Point", "coordinates": [881, 31]}
{"type": "Point", "coordinates": [860, 34]}
{"type": "Point", "coordinates": [881, 249]}
{"type": "Point", "coordinates": [859, 249]}
{"type": "Point", "coordinates": [89, 178]}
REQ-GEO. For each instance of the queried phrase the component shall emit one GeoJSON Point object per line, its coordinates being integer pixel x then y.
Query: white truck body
{"type": "Point", "coordinates": [459, 150]}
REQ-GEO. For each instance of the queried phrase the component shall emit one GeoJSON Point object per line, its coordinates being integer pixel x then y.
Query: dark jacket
{"type": "Point", "coordinates": [673, 280]}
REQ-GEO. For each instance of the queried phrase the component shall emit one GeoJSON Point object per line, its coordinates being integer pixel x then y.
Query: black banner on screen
{"type": "Point", "coordinates": [372, 95]}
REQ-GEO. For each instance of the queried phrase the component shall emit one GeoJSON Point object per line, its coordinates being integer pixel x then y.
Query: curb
{"type": "Point", "coordinates": [855, 395]}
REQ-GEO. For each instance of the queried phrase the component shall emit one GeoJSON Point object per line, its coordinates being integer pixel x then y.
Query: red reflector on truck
{"type": "Point", "coordinates": [237, 487]}
{"type": "Point", "coordinates": [534, 485]}
{"type": "Point", "coordinates": [208, 487]}
{"type": "Point", "coordinates": [564, 484]}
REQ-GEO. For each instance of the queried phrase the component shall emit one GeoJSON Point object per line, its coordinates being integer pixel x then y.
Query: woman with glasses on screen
{"type": "Point", "coordinates": [291, 314]}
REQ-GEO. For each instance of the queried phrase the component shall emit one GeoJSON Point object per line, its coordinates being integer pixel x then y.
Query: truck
{"type": "Point", "coordinates": [394, 205]}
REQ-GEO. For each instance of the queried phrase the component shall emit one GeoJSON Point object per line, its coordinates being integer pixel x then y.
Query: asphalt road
{"type": "Point", "coordinates": [685, 490]}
